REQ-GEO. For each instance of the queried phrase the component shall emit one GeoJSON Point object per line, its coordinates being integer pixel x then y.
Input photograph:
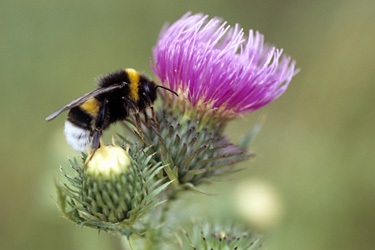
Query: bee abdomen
{"type": "Point", "coordinates": [79, 138]}
{"type": "Point", "coordinates": [80, 118]}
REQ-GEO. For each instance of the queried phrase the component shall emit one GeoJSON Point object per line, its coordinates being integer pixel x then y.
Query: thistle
{"type": "Point", "coordinates": [219, 75]}
{"type": "Point", "coordinates": [112, 191]}
{"type": "Point", "coordinates": [217, 70]}
{"type": "Point", "coordinates": [219, 236]}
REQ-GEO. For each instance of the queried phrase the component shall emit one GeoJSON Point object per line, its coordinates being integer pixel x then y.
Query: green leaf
{"type": "Point", "coordinates": [250, 136]}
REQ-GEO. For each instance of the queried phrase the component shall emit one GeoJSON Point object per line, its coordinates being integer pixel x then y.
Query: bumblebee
{"type": "Point", "coordinates": [120, 94]}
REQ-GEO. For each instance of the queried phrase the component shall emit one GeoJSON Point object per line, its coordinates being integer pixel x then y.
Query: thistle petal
{"type": "Point", "coordinates": [214, 65]}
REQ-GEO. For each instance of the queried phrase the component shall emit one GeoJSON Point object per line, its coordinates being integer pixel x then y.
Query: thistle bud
{"type": "Point", "coordinates": [192, 152]}
{"type": "Point", "coordinates": [107, 160]}
{"type": "Point", "coordinates": [112, 190]}
{"type": "Point", "coordinates": [217, 236]}
{"type": "Point", "coordinates": [219, 74]}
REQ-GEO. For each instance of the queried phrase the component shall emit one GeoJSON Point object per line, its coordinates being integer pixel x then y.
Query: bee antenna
{"type": "Point", "coordinates": [159, 86]}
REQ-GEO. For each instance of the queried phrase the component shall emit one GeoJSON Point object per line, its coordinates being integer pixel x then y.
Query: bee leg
{"type": "Point", "coordinates": [138, 125]}
{"type": "Point", "coordinates": [99, 126]}
{"type": "Point", "coordinates": [96, 139]}
{"type": "Point", "coordinates": [92, 154]}
{"type": "Point", "coordinates": [154, 116]}
{"type": "Point", "coordinates": [146, 118]}
{"type": "Point", "coordinates": [95, 143]}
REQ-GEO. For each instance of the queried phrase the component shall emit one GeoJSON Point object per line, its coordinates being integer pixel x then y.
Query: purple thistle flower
{"type": "Point", "coordinates": [215, 66]}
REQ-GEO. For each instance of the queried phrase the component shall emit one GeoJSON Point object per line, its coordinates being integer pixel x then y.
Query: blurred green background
{"type": "Point", "coordinates": [316, 148]}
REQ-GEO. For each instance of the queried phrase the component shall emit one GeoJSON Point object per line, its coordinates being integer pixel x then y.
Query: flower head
{"type": "Point", "coordinates": [107, 160]}
{"type": "Point", "coordinates": [112, 190]}
{"type": "Point", "coordinates": [214, 66]}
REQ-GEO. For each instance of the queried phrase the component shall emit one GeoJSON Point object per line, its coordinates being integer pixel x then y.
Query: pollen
{"type": "Point", "coordinates": [134, 83]}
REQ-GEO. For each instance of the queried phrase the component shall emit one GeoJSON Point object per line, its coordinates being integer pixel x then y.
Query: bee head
{"type": "Point", "coordinates": [149, 90]}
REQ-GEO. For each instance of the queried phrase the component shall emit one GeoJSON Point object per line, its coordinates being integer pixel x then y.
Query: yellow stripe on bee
{"type": "Point", "coordinates": [91, 106]}
{"type": "Point", "coordinates": [134, 83]}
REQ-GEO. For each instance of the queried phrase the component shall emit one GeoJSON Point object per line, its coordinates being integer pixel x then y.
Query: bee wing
{"type": "Point", "coordinates": [82, 100]}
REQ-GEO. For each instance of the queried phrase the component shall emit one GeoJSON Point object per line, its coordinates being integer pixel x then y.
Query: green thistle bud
{"type": "Point", "coordinates": [191, 145]}
{"type": "Point", "coordinates": [219, 237]}
{"type": "Point", "coordinates": [112, 190]}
